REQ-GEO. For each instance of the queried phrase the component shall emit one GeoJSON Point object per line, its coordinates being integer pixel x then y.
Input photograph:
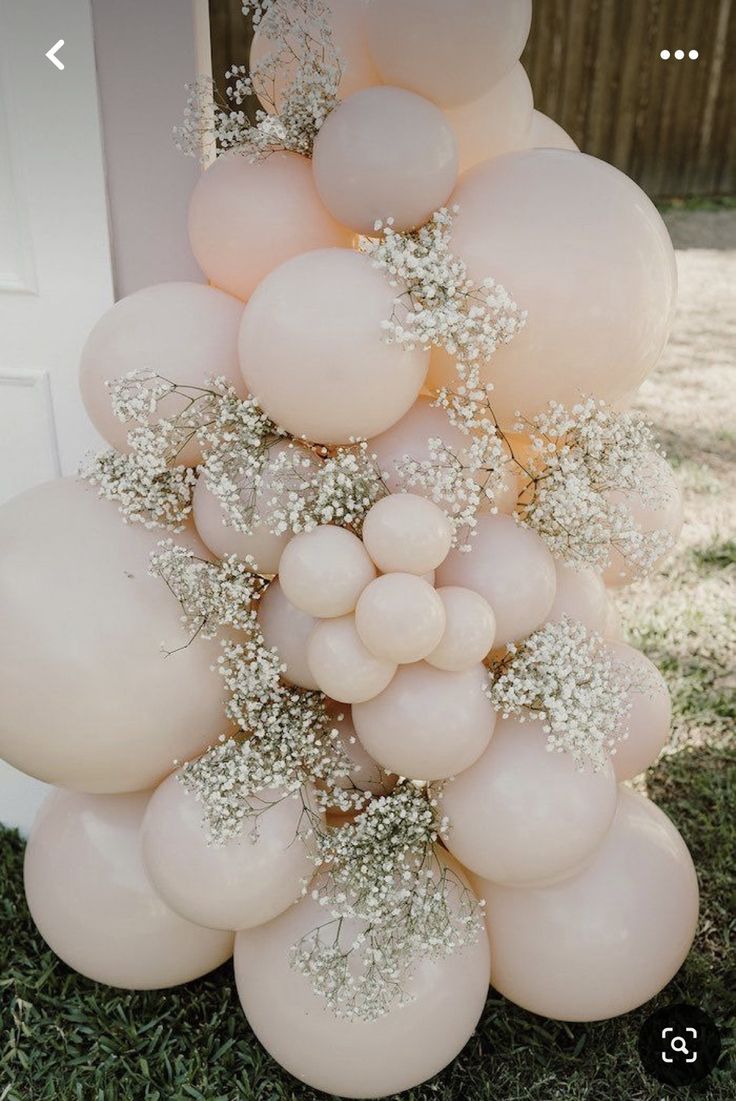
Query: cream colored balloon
{"type": "Point", "coordinates": [512, 569]}
{"type": "Point", "coordinates": [648, 722]}
{"type": "Point", "coordinates": [496, 123]}
{"type": "Point", "coordinates": [287, 629]}
{"type": "Point", "coordinates": [366, 774]}
{"type": "Point", "coordinates": [428, 724]}
{"type": "Point", "coordinates": [665, 516]}
{"type": "Point", "coordinates": [581, 595]}
{"type": "Point", "coordinates": [324, 571]}
{"type": "Point", "coordinates": [356, 1058]}
{"type": "Point", "coordinates": [613, 628]}
{"type": "Point", "coordinates": [522, 815]}
{"type": "Point", "coordinates": [597, 319]}
{"type": "Point", "coordinates": [342, 666]}
{"type": "Point", "coordinates": [385, 153]}
{"type": "Point", "coordinates": [470, 628]}
{"type": "Point", "coordinates": [248, 880]}
{"type": "Point", "coordinates": [248, 217]}
{"type": "Point", "coordinates": [545, 133]}
{"type": "Point", "coordinates": [400, 617]}
{"type": "Point", "coordinates": [186, 332]}
{"type": "Point", "coordinates": [450, 53]}
{"type": "Point", "coordinates": [312, 349]}
{"type": "Point", "coordinates": [92, 903]}
{"type": "Point", "coordinates": [608, 939]}
{"type": "Point", "coordinates": [407, 533]}
{"type": "Point", "coordinates": [90, 699]}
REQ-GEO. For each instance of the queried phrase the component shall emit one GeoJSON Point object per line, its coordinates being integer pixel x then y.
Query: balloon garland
{"type": "Point", "coordinates": [394, 495]}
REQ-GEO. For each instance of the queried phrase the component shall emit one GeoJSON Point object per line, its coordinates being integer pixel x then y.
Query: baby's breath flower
{"type": "Point", "coordinates": [146, 492]}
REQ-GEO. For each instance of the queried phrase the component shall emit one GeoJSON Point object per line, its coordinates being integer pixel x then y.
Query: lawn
{"type": "Point", "coordinates": [67, 1039]}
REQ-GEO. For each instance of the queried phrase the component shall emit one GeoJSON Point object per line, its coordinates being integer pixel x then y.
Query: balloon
{"type": "Point", "coordinates": [185, 332]}
{"type": "Point", "coordinates": [248, 880]}
{"type": "Point", "coordinates": [597, 320]}
{"type": "Point", "coordinates": [648, 723]}
{"type": "Point", "coordinates": [522, 815]}
{"type": "Point", "coordinates": [581, 595]}
{"type": "Point", "coordinates": [287, 629]}
{"type": "Point", "coordinates": [356, 1058]}
{"type": "Point", "coordinates": [383, 154]}
{"type": "Point", "coordinates": [428, 724]}
{"type": "Point", "coordinates": [470, 628]}
{"type": "Point", "coordinates": [666, 515]}
{"type": "Point", "coordinates": [496, 123]}
{"type": "Point", "coordinates": [407, 533]}
{"type": "Point", "coordinates": [248, 217]}
{"type": "Point", "coordinates": [545, 133]}
{"type": "Point", "coordinates": [450, 53]}
{"type": "Point", "coordinates": [312, 352]}
{"type": "Point", "coordinates": [367, 774]}
{"type": "Point", "coordinates": [93, 905]}
{"type": "Point", "coordinates": [324, 571]}
{"type": "Point", "coordinates": [400, 617]}
{"type": "Point", "coordinates": [342, 666]}
{"type": "Point", "coordinates": [512, 569]}
{"type": "Point", "coordinates": [613, 628]}
{"type": "Point", "coordinates": [608, 939]}
{"type": "Point", "coordinates": [90, 700]}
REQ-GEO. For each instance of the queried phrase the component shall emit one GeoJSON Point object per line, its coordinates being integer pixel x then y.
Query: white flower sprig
{"type": "Point", "coordinates": [146, 490]}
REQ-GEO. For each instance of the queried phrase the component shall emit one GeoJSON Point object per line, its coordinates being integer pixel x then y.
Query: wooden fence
{"type": "Point", "coordinates": [595, 67]}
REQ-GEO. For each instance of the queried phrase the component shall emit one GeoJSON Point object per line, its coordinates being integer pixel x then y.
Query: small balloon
{"type": "Point", "coordinates": [581, 595]}
{"type": "Point", "coordinates": [342, 666]}
{"type": "Point", "coordinates": [287, 628]}
{"type": "Point", "coordinates": [324, 571]}
{"type": "Point", "coordinates": [407, 533]}
{"type": "Point", "coordinates": [663, 514]}
{"type": "Point", "coordinates": [648, 722]}
{"type": "Point", "coordinates": [400, 617]}
{"type": "Point", "coordinates": [470, 628]}
{"type": "Point", "coordinates": [496, 123]}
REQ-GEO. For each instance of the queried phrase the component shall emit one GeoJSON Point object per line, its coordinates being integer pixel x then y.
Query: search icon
{"type": "Point", "coordinates": [677, 1043]}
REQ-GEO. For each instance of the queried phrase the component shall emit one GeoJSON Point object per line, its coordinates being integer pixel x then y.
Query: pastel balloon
{"type": "Point", "coordinates": [613, 628]}
{"type": "Point", "coordinates": [648, 722]}
{"type": "Point", "coordinates": [521, 815]}
{"type": "Point", "coordinates": [248, 217]}
{"type": "Point", "coordinates": [185, 332]}
{"type": "Point", "coordinates": [428, 724]}
{"type": "Point", "coordinates": [92, 903]}
{"type": "Point", "coordinates": [512, 569]}
{"type": "Point", "coordinates": [287, 628]}
{"type": "Point", "coordinates": [90, 699]}
{"type": "Point", "coordinates": [342, 666]}
{"type": "Point", "coordinates": [606, 940]}
{"type": "Point", "coordinates": [581, 595]}
{"type": "Point", "coordinates": [666, 515]}
{"type": "Point", "coordinates": [496, 123]}
{"type": "Point", "coordinates": [248, 880]}
{"type": "Point", "coordinates": [366, 774]}
{"type": "Point", "coordinates": [545, 133]}
{"type": "Point", "coordinates": [407, 533]}
{"type": "Point", "coordinates": [597, 321]}
{"type": "Point", "coordinates": [356, 1058]}
{"type": "Point", "coordinates": [450, 53]}
{"type": "Point", "coordinates": [400, 617]}
{"type": "Point", "coordinates": [324, 571]}
{"type": "Point", "coordinates": [470, 628]}
{"type": "Point", "coordinates": [385, 153]}
{"type": "Point", "coordinates": [312, 349]}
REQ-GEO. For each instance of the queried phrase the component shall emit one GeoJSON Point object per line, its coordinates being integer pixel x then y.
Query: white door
{"type": "Point", "coordinates": [55, 266]}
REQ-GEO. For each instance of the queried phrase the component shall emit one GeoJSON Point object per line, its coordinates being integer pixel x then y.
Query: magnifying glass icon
{"type": "Point", "coordinates": [677, 1043]}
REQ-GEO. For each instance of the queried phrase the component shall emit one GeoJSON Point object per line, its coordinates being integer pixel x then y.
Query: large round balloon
{"type": "Point", "coordinates": [545, 133]}
{"type": "Point", "coordinates": [512, 569]}
{"type": "Point", "coordinates": [583, 250]}
{"type": "Point", "coordinates": [312, 349]}
{"type": "Point", "coordinates": [186, 332]}
{"type": "Point", "coordinates": [497, 123]}
{"type": "Point", "coordinates": [248, 880]}
{"type": "Point", "coordinates": [385, 153]}
{"type": "Point", "coordinates": [664, 516]}
{"type": "Point", "coordinates": [608, 939]}
{"type": "Point", "coordinates": [356, 1058]}
{"type": "Point", "coordinates": [91, 900]}
{"type": "Point", "coordinates": [287, 628]}
{"type": "Point", "coordinates": [450, 53]}
{"type": "Point", "coordinates": [90, 700]}
{"type": "Point", "coordinates": [581, 595]}
{"type": "Point", "coordinates": [522, 815]}
{"type": "Point", "coordinates": [648, 722]}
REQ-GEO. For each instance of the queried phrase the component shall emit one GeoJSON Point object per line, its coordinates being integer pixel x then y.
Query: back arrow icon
{"type": "Point", "coordinates": [51, 55]}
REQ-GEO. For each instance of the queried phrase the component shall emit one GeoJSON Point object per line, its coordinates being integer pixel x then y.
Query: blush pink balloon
{"type": "Point", "coordinates": [496, 123]}
{"type": "Point", "coordinates": [581, 595]}
{"type": "Point", "coordinates": [450, 53]}
{"type": "Point", "coordinates": [366, 774]}
{"type": "Point", "coordinates": [385, 153]}
{"type": "Point", "coordinates": [407, 533]}
{"type": "Point", "coordinates": [666, 515]}
{"type": "Point", "coordinates": [648, 723]}
{"type": "Point", "coordinates": [356, 1058]}
{"type": "Point", "coordinates": [287, 629]}
{"type": "Point", "coordinates": [522, 815]}
{"type": "Point", "coordinates": [312, 349]}
{"type": "Point", "coordinates": [83, 618]}
{"type": "Point", "coordinates": [613, 628]}
{"type": "Point", "coordinates": [428, 724]}
{"type": "Point", "coordinates": [324, 571]}
{"type": "Point", "coordinates": [247, 218]}
{"type": "Point", "coordinates": [545, 133]}
{"type": "Point", "coordinates": [597, 320]}
{"type": "Point", "coordinates": [606, 940]}
{"type": "Point", "coordinates": [470, 628]}
{"type": "Point", "coordinates": [92, 903]}
{"type": "Point", "coordinates": [185, 332]}
{"type": "Point", "coordinates": [342, 666]}
{"type": "Point", "coordinates": [512, 569]}
{"type": "Point", "coordinates": [400, 617]}
{"type": "Point", "coordinates": [248, 880]}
